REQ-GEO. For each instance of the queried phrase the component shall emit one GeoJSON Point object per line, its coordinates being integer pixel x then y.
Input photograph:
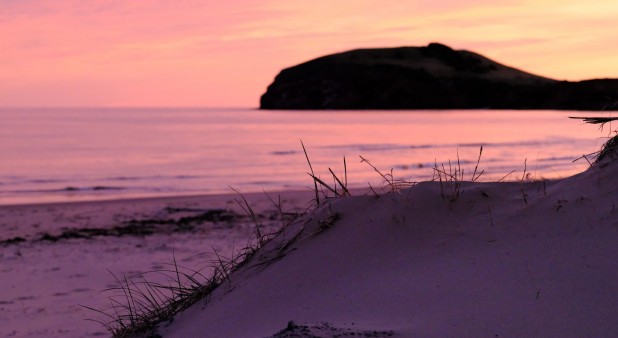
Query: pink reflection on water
{"type": "Point", "coordinates": [76, 154]}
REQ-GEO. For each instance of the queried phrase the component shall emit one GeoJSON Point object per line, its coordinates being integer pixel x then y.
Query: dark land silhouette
{"type": "Point", "coordinates": [431, 77]}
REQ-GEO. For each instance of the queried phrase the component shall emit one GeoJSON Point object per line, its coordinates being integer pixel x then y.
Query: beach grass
{"type": "Point", "coordinates": [140, 302]}
{"type": "Point", "coordinates": [136, 307]}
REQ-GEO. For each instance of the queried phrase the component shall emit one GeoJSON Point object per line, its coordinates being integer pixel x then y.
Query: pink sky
{"type": "Point", "coordinates": [211, 53]}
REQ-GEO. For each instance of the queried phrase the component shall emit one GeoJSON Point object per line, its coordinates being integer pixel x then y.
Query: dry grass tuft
{"type": "Point", "coordinates": [339, 187]}
{"type": "Point", "coordinates": [609, 150]}
{"type": "Point", "coordinates": [141, 302]}
{"type": "Point", "coordinates": [138, 305]}
{"type": "Point", "coordinates": [389, 179]}
{"type": "Point", "coordinates": [452, 177]}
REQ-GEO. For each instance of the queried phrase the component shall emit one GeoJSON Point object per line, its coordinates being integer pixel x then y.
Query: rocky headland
{"type": "Point", "coordinates": [431, 77]}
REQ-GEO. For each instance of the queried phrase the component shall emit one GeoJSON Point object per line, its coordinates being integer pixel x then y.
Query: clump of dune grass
{"type": "Point", "coordinates": [339, 187]}
{"type": "Point", "coordinates": [394, 185]}
{"type": "Point", "coordinates": [140, 302]}
{"type": "Point", "coordinates": [608, 150]}
{"type": "Point", "coordinates": [138, 305]}
{"type": "Point", "coordinates": [451, 177]}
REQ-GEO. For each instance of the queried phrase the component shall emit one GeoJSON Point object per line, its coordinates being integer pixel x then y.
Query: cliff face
{"type": "Point", "coordinates": [431, 77]}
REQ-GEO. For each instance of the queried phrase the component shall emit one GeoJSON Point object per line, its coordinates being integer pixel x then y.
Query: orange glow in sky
{"type": "Point", "coordinates": [215, 53]}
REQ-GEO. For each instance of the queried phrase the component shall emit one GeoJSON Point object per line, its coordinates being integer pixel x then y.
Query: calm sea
{"type": "Point", "coordinates": [75, 154]}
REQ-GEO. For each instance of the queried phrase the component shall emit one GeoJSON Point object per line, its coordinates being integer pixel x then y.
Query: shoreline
{"type": "Point", "coordinates": [214, 195]}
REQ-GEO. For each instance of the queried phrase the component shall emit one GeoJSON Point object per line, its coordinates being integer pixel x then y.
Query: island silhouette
{"type": "Point", "coordinates": [430, 77]}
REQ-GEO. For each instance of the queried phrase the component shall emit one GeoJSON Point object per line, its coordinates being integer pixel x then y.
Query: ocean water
{"type": "Point", "coordinates": [78, 154]}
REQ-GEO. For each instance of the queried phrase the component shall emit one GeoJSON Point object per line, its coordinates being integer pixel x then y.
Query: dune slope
{"type": "Point", "coordinates": [502, 259]}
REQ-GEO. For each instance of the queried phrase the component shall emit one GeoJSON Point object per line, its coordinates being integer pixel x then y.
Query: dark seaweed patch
{"type": "Point", "coordinates": [13, 240]}
{"type": "Point", "coordinates": [294, 330]}
{"type": "Point", "coordinates": [144, 227]}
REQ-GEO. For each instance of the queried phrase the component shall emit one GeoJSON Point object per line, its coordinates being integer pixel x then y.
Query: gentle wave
{"type": "Point", "coordinates": [156, 177]}
{"type": "Point", "coordinates": [65, 190]}
{"type": "Point", "coordinates": [387, 146]}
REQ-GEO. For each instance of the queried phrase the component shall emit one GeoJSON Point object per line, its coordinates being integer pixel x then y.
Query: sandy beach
{"type": "Point", "coordinates": [434, 259]}
{"type": "Point", "coordinates": [58, 257]}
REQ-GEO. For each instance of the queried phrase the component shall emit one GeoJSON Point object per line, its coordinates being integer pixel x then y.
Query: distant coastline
{"type": "Point", "coordinates": [431, 77]}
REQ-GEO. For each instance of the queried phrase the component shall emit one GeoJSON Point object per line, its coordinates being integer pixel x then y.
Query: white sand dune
{"type": "Point", "coordinates": [528, 259]}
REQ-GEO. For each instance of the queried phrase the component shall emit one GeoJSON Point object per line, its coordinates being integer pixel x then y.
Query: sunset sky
{"type": "Point", "coordinates": [216, 53]}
